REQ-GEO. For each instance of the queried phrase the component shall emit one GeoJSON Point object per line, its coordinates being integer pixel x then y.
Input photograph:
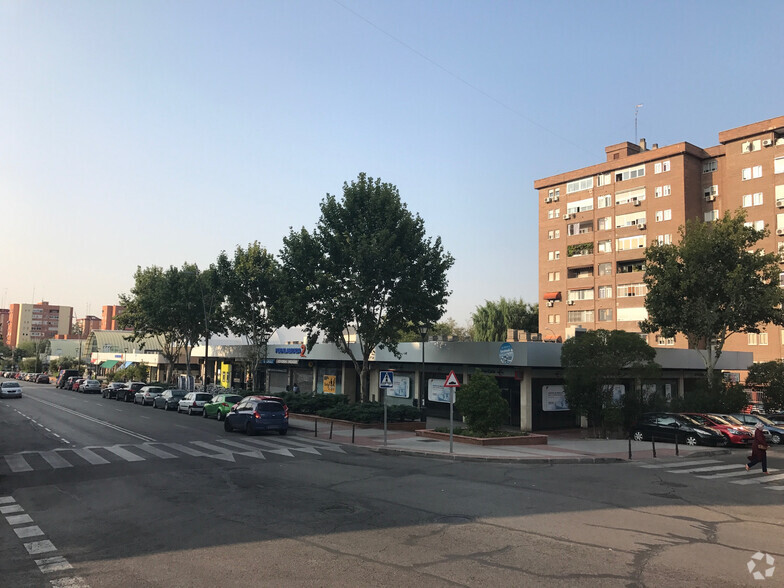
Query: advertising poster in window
{"type": "Point", "coordinates": [400, 387]}
{"type": "Point", "coordinates": [225, 375]}
{"type": "Point", "coordinates": [436, 391]}
{"type": "Point", "coordinates": [330, 384]}
{"type": "Point", "coordinates": [554, 398]}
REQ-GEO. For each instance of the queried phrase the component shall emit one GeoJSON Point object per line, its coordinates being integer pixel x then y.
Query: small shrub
{"type": "Point", "coordinates": [481, 404]}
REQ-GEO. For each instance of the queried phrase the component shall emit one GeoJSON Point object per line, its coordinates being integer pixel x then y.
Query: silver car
{"type": "Point", "coordinates": [147, 395]}
{"type": "Point", "coordinates": [10, 390]}
{"type": "Point", "coordinates": [90, 387]}
{"type": "Point", "coordinates": [194, 402]}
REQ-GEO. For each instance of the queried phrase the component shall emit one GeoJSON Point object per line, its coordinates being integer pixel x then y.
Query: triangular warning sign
{"type": "Point", "coordinates": [386, 380]}
{"type": "Point", "coordinates": [451, 381]}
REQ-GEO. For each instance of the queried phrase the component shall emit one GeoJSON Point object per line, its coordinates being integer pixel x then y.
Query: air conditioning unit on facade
{"type": "Point", "coordinates": [641, 226]}
{"type": "Point", "coordinates": [767, 142]}
{"type": "Point", "coordinates": [549, 303]}
{"type": "Point", "coordinates": [548, 200]}
{"type": "Point", "coordinates": [556, 198]}
{"type": "Point", "coordinates": [567, 216]}
{"type": "Point", "coordinates": [570, 302]}
{"type": "Point", "coordinates": [637, 203]}
{"type": "Point", "coordinates": [780, 203]}
{"type": "Point", "coordinates": [780, 231]}
{"type": "Point", "coordinates": [710, 197]}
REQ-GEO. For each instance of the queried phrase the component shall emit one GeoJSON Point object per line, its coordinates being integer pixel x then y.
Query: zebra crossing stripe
{"type": "Point", "coordinates": [123, 453]}
{"type": "Point", "coordinates": [186, 450]}
{"type": "Point", "coordinates": [708, 469]}
{"type": "Point", "coordinates": [247, 450]}
{"type": "Point", "coordinates": [25, 532]}
{"type": "Point", "coordinates": [53, 564]}
{"type": "Point", "coordinates": [741, 472]}
{"type": "Point", "coordinates": [760, 480]}
{"type": "Point", "coordinates": [273, 448]}
{"type": "Point", "coordinates": [90, 456]}
{"type": "Point", "coordinates": [220, 452]}
{"type": "Point", "coordinates": [17, 463]}
{"type": "Point", "coordinates": [156, 451]}
{"type": "Point", "coordinates": [692, 462]}
{"type": "Point", "coordinates": [55, 460]}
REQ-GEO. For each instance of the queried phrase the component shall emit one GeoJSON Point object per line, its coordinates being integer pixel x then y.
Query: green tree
{"type": "Point", "coordinates": [445, 328]}
{"type": "Point", "coordinates": [595, 361]}
{"type": "Point", "coordinates": [366, 271]}
{"type": "Point", "coordinates": [768, 377]}
{"type": "Point", "coordinates": [712, 284]}
{"type": "Point", "coordinates": [251, 284]}
{"type": "Point", "coordinates": [481, 404]}
{"type": "Point", "coordinates": [491, 321]}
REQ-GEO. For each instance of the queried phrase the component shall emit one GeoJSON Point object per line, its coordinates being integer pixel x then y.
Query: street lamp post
{"type": "Point", "coordinates": [423, 329]}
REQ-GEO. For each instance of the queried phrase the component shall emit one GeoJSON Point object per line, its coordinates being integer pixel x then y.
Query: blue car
{"type": "Point", "coordinates": [776, 431]}
{"type": "Point", "coordinates": [254, 415]}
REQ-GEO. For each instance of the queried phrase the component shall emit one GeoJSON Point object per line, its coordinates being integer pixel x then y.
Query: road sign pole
{"type": "Point", "coordinates": [385, 418]}
{"type": "Point", "coordinates": [451, 417]}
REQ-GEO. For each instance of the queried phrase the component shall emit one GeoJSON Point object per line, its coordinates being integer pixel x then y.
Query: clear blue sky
{"type": "Point", "coordinates": [145, 133]}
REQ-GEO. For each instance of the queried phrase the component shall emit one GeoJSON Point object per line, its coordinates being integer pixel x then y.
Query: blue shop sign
{"type": "Point", "coordinates": [506, 353]}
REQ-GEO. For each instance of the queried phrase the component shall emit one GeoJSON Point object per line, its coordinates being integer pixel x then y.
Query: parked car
{"type": "Point", "coordinates": [776, 431]}
{"type": "Point", "coordinates": [10, 390]}
{"type": "Point", "coordinates": [128, 392]}
{"type": "Point", "coordinates": [736, 434]}
{"type": "Point", "coordinates": [90, 387]}
{"type": "Point", "coordinates": [42, 379]}
{"type": "Point", "coordinates": [147, 394]}
{"type": "Point", "coordinates": [777, 418]}
{"type": "Point", "coordinates": [737, 422]}
{"type": "Point", "coordinates": [76, 383]}
{"type": "Point", "coordinates": [63, 376]}
{"type": "Point", "coordinates": [273, 398]}
{"type": "Point", "coordinates": [169, 399]}
{"type": "Point", "coordinates": [253, 416]}
{"type": "Point", "coordinates": [667, 426]}
{"type": "Point", "coordinates": [220, 405]}
{"type": "Point", "coordinates": [194, 402]}
{"type": "Point", "coordinates": [111, 390]}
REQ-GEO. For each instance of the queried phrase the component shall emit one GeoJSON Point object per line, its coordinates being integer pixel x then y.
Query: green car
{"type": "Point", "coordinates": [220, 406]}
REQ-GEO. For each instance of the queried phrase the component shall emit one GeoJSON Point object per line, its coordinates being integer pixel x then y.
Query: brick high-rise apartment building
{"type": "Point", "coordinates": [37, 322]}
{"type": "Point", "coordinates": [595, 223]}
{"type": "Point", "coordinates": [109, 316]}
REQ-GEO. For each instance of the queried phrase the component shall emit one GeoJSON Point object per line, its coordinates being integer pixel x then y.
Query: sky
{"type": "Point", "coordinates": [149, 133]}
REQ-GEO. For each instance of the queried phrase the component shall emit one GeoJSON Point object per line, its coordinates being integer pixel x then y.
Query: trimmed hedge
{"type": "Point", "coordinates": [337, 407]}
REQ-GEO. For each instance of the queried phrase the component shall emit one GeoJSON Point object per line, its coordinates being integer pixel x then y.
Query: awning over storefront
{"type": "Point", "coordinates": [110, 363]}
{"type": "Point", "coordinates": [127, 364]}
{"type": "Point", "coordinates": [552, 295]}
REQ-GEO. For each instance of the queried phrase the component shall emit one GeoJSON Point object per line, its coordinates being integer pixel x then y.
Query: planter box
{"type": "Point", "coordinates": [529, 439]}
{"type": "Point", "coordinates": [391, 426]}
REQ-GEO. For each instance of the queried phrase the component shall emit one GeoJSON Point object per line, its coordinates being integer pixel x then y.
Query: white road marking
{"type": "Point", "coordinates": [54, 460]}
{"type": "Point", "coordinates": [19, 519]}
{"type": "Point", "coordinates": [25, 532]}
{"type": "Point", "coordinates": [151, 449]}
{"type": "Point", "coordinates": [53, 564]}
{"type": "Point", "coordinates": [36, 547]}
{"type": "Point", "coordinates": [11, 508]}
{"type": "Point", "coordinates": [764, 479]}
{"type": "Point", "coordinates": [741, 472]}
{"type": "Point", "coordinates": [708, 469]}
{"type": "Point", "coordinates": [692, 462]}
{"type": "Point", "coordinates": [123, 453]}
{"type": "Point", "coordinates": [273, 448]}
{"type": "Point", "coordinates": [247, 450]}
{"type": "Point", "coordinates": [73, 582]}
{"type": "Point", "coordinates": [90, 456]}
{"type": "Point", "coordinates": [7, 499]}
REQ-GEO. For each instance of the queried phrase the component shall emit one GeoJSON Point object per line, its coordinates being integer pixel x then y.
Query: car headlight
{"type": "Point", "coordinates": [735, 431]}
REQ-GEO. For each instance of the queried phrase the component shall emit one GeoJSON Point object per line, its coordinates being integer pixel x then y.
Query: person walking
{"type": "Point", "coordinates": [759, 450]}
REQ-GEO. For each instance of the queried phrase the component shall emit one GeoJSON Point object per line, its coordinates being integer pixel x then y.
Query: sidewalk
{"type": "Point", "coordinates": [568, 446]}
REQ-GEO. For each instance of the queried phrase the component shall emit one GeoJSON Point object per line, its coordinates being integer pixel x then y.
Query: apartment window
{"type": "Point", "coordinates": [580, 316]}
{"type": "Point", "coordinates": [553, 255]}
{"type": "Point", "coordinates": [759, 225]}
{"type": "Point", "coordinates": [553, 276]}
{"type": "Point", "coordinates": [778, 168]}
{"type": "Point", "coordinates": [604, 269]}
{"type": "Point", "coordinates": [627, 243]}
{"type": "Point", "coordinates": [709, 191]}
{"type": "Point", "coordinates": [710, 166]}
{"type": "Point", "coordinates": [749, 173]}
{"type": "Point", "coordinates": [657, 192]}
{"type": "Point", "coordinates": [781, 279]}
{"type": "Point", "coordinates": [663, 215]}
{"type": "Point", "coordinates": [664, 239]}
{"type": "Point", "coordinates": [554, 234]}
{"type": "Point", "coordinates": [603, 179]}
{"type": "Point", "coordinates": [629, 220]}
{"type": "Point", "coordinates": [605, 246]}
{"type": "Point", "coordinates": [749, 146]}
{"type": "Point", "coordinates": [604, 201]}
{"type": "Point", "coordinates": [630, 173]}
{"type": "Point", "coordinates": [554, 213]}
{"type": "Point", "coordinates": [604, 223]}
{"type": "Point", "coordinates": [579, 206]}
{"type": "Point", "coordinates": [711, 215]}
{"type": "Point", "coordinates": [553, 318]}
{"type": "Point", "coordinates": [585, 294]}
{"type": "Point", "coordinates": [629, 196]}
{"type": "Point", "coordinates": [753, 339]}
{"type": "Point", "coordinates": [579, 185]}
{"type": "Point", "coordinates": [606, 292]}
{"type": "Point", "coordinates": [757, 198]}
{"type": "Point", "coordinates": [747, 200]}
{"type": "Point", "coordinates": [665, 340]}
{"type": "Point", "coordinates": [632, 290]}
{"type": "Point", "coordinates": [763, 338]}
{"type": "Point", "coordinates": [662, 166]}
{"type": "Point", "coordinates": [557, 194]}
{"type": "Point", "coordinates": [605, 314]}
{"type": "Point", "coordinates": [636, 314]}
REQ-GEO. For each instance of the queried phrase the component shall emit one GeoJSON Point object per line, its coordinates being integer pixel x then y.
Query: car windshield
{"type": "Point", "coordinates": [10, 385]}
{"type": "Point", "coordinates": [719, 420]}
{"type": "Point", "coordinates": [730, 419]}
{"type": "Point", "coordinates": [764, 420]}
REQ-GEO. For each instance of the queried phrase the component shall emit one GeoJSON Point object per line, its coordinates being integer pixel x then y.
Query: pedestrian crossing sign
{"type": "Point", "coordinates": [386, 379]}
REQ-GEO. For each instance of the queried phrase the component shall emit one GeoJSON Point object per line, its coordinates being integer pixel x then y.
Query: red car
{"type": "Point", "coordinates": [76, 383]}
{"type": "Point", "coordinates": [735, 434]}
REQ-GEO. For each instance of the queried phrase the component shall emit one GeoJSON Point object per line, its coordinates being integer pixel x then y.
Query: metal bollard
{"type": "Point", "coordinates": [331, 423]}
{"type": "Point", "coordinates": [676, 447]}
{"type": "Point", "coordinates": [630, 447]}
{"type": "Point", "coordinates": [353, 429]}
{"type": "Point", "coordinates": [653, 444]}
{"type": "Point", "coordinates": [315, 428]}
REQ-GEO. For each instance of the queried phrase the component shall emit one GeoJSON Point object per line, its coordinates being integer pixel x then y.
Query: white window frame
{"type": "Point", "coordinates": [579, 185]}
{"type": "Point", "coordinates": [710, 166]}
{"type": "Point", "coordinates": [630, 173]}
{"type": "Point", "coordinates": [605, 292]}
{"type": "Point", "coordinates": [604, 201]}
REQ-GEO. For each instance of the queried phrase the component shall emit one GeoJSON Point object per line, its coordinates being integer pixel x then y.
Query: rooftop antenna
{"type": "Point", "coordinates": [636, 110]}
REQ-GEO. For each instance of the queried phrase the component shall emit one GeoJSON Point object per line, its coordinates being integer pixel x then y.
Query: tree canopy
{"type": "Point", "coordinates": [481, 404]}
{"type": "Point", "coordinates": [491, 321]}
{"type": "Point", "coordinates": [252, 289]}
{"type": "Point", "coordinates": [595, 361]}
{"type": "Point", "coordinates": [367, 270]}
{"type": "Point", "coordinates": [768, 377]}
{"type": "Point", "coordinates": [713, 283]}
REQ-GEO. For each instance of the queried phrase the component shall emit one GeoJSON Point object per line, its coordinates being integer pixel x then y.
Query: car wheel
{"type": "Point", "coordinates": [227, 427]}
{"type": "Point", "coordinates": [776, 439]}
{"type": "Point", "coordinates": [691, 440]}
{"type": "Point", "coordinates": [166, 406]}
{"type": "Point", "coordinates": [283, 431]}
{"type": "Point", "coordinates": [638, 436]}
{"type": "Point", "coordinates": [219, 416]}
{"type": "Point", "coordinates": [204, 414]}
{"type": "Point", "coordinates": [190, 411]}
{"type": "Point", "coordinates": [249, 430]}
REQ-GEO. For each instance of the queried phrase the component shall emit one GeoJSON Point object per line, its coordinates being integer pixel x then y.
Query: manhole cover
{"type": "Point", "coordinates": [454, 519]}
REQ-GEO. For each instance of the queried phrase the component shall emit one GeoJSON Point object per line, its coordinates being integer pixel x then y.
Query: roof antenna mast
{"type": "Point", "coordinates": [636, 110]}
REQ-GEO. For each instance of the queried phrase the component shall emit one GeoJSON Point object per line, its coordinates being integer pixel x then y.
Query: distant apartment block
{"type": "Point", "coordinates": [86, 325]}
{"type": "Point", "coordinates": [4, 318]}
{"type": "Point", "coordinates": [109, 316]}
{"type": "Point", "coordinates": [595, 223]}
{"type": "Point", "coordinates": [37, 322]}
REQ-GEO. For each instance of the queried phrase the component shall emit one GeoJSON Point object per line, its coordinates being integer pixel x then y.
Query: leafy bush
{"type": "Point", "coordinates": [481, 404]}
{"type": "Point", "coordinates": [312, 403]}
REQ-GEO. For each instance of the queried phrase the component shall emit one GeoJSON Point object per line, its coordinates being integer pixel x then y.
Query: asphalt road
{"type": "Point", "coordinates": [95, 492]}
